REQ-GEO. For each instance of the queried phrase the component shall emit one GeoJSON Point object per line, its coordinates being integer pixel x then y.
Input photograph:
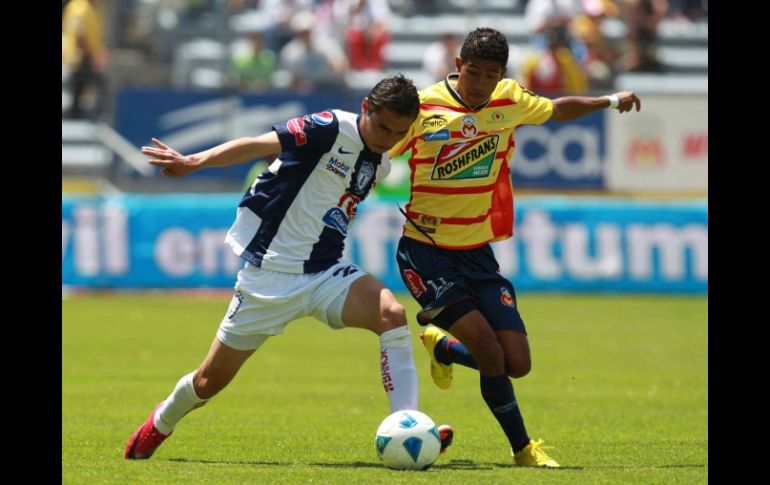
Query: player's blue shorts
{"type": "Point", "coordinates": [450, 283]}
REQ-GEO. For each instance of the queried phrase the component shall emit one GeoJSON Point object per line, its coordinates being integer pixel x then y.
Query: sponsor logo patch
{"type": "Point", "coordinates": [387, 379]}
{"type": "Point", "coordinates": [466, 160]}
{"type": "Point", "coordinates": [337, 219]}
{"type": "Point", "coordinates": [435, 121]}
{"type": "Point", "coordinates": [436, 135]}
{"type": "Point", "coordinates": [322, 118]}
{"type": "Point", "coordinates": [427, 220]}
{"type": "Point", "coordinates": [337, 167]}
{"type": "Point", "coordinates": [414, 282]}
{"type": "Point", "coordinates": [496, 117]}
{"type": "Point", "coordinates": [296, 127]}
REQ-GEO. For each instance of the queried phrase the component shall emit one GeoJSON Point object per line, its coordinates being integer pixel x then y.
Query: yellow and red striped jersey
{"type": "Point", "coordinates": [461, 191]}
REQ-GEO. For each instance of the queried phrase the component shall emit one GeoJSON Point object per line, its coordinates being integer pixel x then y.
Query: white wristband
{"type": "Point", "coordinates": [614, 101]}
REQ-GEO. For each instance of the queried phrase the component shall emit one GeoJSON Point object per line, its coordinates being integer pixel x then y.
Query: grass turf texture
{"type": "Point", "coordinates": [619, 386]}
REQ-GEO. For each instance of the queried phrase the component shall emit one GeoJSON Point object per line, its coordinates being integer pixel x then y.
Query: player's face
{"type": "Point", "coordinates": [383, 129]}
{"type": "Point", "coordinates": [478, 79]}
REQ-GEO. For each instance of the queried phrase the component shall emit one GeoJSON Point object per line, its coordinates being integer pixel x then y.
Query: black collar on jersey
{"type": "Point", "coordinates": [456, 95]}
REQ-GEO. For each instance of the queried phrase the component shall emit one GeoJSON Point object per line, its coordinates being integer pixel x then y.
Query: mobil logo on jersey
{"type": "Point", "coordinates": [564, 155]}
{"type": "Point", "coordinates": [466, 160]}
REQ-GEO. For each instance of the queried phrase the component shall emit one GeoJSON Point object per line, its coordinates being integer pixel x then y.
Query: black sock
{"type": "Point", "coordinates": [497, 392]}
{"type": "Point", "coordinates": [452, 351]}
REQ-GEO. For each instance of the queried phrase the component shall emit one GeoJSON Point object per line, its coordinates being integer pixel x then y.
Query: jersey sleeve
{"type": "Point", "coordinates": [312, 133]}
{"type": "Point", "coordinates": [531, 108]}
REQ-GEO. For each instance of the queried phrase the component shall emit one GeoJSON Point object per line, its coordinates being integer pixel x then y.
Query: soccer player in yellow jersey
{"type": "Point", "coordinates": [461, 200]}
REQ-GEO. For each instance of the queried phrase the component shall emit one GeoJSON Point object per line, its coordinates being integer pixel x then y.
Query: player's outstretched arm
{"type": "Point", "coordinates": [572, 107]}
{"type": "Point", "coordinates": [174, 164]}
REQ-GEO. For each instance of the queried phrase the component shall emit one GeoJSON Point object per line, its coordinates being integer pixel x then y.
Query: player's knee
{"type": "Point", "coordinates": [489, 356]}
{"type": "Point", "coordinates": [519, 369]}
{"type": "Point", "coordinates": [392, 315]}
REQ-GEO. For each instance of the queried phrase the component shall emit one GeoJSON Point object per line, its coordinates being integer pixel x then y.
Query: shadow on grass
{"type": "Point", "coordinates": [450, 465]}
{"type": "Point", "coordinates": [682, 465]}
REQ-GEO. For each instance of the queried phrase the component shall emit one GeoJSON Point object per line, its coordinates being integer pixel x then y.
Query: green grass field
{"type": "Point", "coordinates": [619, 386]}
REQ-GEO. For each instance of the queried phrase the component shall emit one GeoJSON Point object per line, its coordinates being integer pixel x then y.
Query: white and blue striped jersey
{"type": "Point", "coordinates": [296, 215]}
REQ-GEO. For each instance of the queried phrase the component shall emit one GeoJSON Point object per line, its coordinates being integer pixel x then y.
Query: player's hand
{"type": "Point", "coordinates": [627, 100]}
{"type": "Point", "coordinates": [171, 162]}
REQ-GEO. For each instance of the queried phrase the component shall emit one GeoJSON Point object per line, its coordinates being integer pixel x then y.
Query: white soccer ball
{"type": "Point", "coordinates": [408, 440]}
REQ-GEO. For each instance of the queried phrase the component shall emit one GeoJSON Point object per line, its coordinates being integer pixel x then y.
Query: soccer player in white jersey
{"type": "Point", "coordinates": [290, 229]}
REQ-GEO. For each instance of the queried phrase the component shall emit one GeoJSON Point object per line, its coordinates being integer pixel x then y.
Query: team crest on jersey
{"type": "Point", "coordinates": [365, 175]}
{"type": "Point", "coordinates": [466, 160]}
{"type": "Point", "coordinates": [506, 298]}
{"type": "Point", "coordinates": [322, 118]}
{"type": "Point", "coordinates": [414, 282]}
{"type": "Point", "coordinates": [469, 129]}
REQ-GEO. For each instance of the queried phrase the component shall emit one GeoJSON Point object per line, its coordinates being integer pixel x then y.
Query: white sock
{"type": "Point", "coordinates": [180, 402]}
{"type": "Point", "coordinates": [399, 375]}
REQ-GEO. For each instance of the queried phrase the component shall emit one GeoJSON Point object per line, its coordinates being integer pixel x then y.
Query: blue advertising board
{"type": "Point", "coordinates": [561, 155]}
{"type": "Point", "coordinates": [561, 243]}
{"type": "Point", "coordinates": [192, 121]}
{"type": "Point", "coordinates": [552, 155]}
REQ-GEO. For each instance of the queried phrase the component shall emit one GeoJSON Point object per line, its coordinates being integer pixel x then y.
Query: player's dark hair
{"type": "Point", "coordinates": [396, 93]}
{"type": "Point", "coordinates": [485, 43]}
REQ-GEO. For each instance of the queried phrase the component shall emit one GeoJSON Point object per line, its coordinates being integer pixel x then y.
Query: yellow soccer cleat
{"type": "Point", "coordinates": [533, 455]}
{"type": "Point", "coordinates": [441, 373]}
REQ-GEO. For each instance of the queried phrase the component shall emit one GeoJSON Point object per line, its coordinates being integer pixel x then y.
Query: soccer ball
{"type": "Point", "coordinates": [408, 440]}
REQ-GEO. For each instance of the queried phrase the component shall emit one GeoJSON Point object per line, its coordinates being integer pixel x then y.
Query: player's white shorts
{"type": "Point", "coordinates": [266, 301]}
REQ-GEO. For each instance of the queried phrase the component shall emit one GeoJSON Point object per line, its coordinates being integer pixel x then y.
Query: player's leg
{"type": "Point", "coordinates": [192, 391]}
{"type": "Point", "coordinates": [496, 299]}
{"type": "Point", "coordinates": [473, 330]}
{"type": "Point", "coordinates": [236, 340]}
{"type": "Point", "coordinates": [475, 321]}
{"type": "Point", "coordinates": [369, 304]}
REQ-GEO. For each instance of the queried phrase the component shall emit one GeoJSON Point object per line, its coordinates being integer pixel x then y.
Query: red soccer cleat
{"type": "Point", "coordinates": [145, 440]}
{"type": "Point", "coordinates": [446, 433]}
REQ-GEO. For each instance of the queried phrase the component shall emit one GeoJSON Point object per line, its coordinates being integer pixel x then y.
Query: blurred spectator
{"type": "Point", "coordinates": [312, 61]}
{"type": "Point", "coordinates": [543, 15]}
{"type": "Point", "coordinates": [236, 6]}
{"type": "Point", "coordinates": [84, 53]}
{"type": "Point", "coordinates": [279, 13]}
{"type": "Point", "coordinates": [642, 18]}
{"type": "Point", "coordinates": [594, 53]}
{"type": "Point", "coordinates": [554, 70]}
{"type": "Point", "coordinates": [689, 10]}
{"type": "Point", "coordinates": [327, 25]}
{"type": "Point", "coordinates": [439, 58]}
{"type": "Point", "coordinates": [367, 33]}
{"type": "Point", "coordinates": [253, 68]}
{"type": "Point", "coordinates": [407, 8]}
